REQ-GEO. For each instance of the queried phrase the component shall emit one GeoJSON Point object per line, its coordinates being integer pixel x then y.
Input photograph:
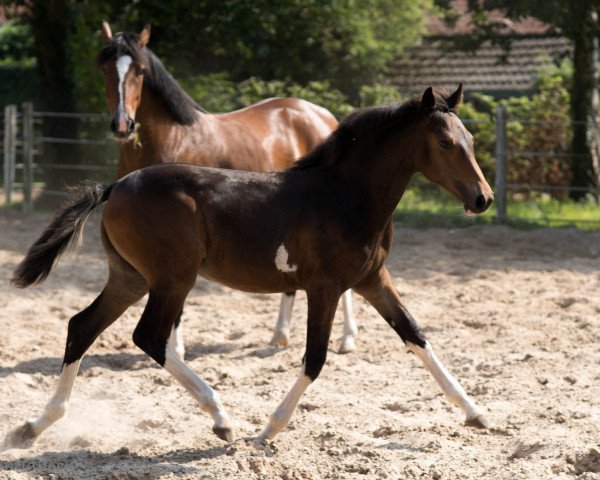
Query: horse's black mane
{"type": "Point", "coordinates": [162, 83]}
{"type": "Point", "coordinates": [362, 123]}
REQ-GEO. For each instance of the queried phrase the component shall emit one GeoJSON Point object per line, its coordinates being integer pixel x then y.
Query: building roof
{"type": "Point", "coordinates": [489, 69]}
{"type": "Point", "coordinates": [436, 63]}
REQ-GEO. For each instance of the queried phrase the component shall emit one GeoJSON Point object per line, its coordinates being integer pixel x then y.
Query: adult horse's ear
{"type": "Point", "coordinates": [456, 98]}
{"type": "Point", "coordinates": [106, 31]}
{"type": "Point", "coordinates": [144, 36]}
{"type": "Point", "coordinates": [427, 102]}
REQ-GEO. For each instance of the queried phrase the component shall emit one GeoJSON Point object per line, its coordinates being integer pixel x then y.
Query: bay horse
{"type": "Point", "coordinates": [322, 226]}
{"type": "Point", "coordinates": [155, 121]}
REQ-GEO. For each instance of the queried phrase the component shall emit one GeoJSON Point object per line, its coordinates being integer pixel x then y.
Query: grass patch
{"type": "Point", "coordinates": [425, 208]}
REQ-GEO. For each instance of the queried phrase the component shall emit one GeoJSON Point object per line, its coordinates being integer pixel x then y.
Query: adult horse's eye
{"type": "Point", "coordinates": [445, 143]}
{"type": "Point", "coordinates": [140, 71]}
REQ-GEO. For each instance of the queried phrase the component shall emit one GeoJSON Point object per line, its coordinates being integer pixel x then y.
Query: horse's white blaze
{"type": "Point", "coordinates": [123, 64]}
{"type": "Point", "coordinates": [450, 386]}
{"type": "Point", "coordinates": [207, 398]}
{"type": "Point", "coordinates": [57, 406]}
{"type": "Point", "coordinates": [281, 416]}
{"type": "Point", "coordinates": [282, 260]}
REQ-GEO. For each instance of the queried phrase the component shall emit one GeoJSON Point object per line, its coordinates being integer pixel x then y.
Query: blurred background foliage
{"type": "Point", "coordinates": [232, 53]}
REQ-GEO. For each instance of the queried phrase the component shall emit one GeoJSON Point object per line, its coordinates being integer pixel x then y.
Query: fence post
{"type": "Point", "coordinates": [10, 149]}
{"type": "Point", "coordinates": [501, 164]}
{"type": "Point", "coordinates": [27, 118]}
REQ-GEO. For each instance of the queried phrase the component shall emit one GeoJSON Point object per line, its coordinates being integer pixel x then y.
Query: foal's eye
{"type": "Point", "coordinates": [445, 143]}
{"type": "Point", "coordinates": [140, 71]}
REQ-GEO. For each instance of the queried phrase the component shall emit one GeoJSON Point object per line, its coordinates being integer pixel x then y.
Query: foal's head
{"type": "Point", "coordinates": [449, 159]}
{"type": "Point", "coordinates": [123, 62]}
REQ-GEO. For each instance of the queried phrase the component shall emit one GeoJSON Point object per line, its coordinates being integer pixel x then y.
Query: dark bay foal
{"type": "Point", "coordinates": [323, 226]}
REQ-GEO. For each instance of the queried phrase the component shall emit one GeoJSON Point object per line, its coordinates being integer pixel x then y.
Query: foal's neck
{"type": "Point", "coordinates": [384, 170]}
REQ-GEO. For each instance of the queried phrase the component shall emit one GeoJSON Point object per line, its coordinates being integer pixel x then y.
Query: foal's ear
{"type": "Point", "coordinates": [427, 102]}
{"type": "Point", "coordinates": [456, 98]}
{"type": "Point", "coordinates": [144, 36]}
{"type": "Point", "coordinates": [106, 32]}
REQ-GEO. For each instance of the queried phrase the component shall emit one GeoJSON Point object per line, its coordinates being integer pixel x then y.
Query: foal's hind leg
{"type": "Point", "coordinates": [152, 336]}
{"type": "Point", "coordinates": [379, 290]}
{"type": "Point", "coordinates": [125, 286]}
{"type": "Point", "coordinates": [176, 338]}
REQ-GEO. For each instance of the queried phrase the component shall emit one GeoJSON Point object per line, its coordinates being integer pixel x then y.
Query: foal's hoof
{"type": "Point", "coordinates": [478, 421]}
{"type": "Point", "coordinates": [224, 433]}
{"type": "Point", "coordinates": [280, 339]}
{"type": "Point", "coordinates": [347, 345]}
{"type": "Point", "coordinates": [21, 437]}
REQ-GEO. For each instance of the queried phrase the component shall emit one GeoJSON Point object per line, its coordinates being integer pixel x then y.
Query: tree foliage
{"type": "Point", "coordinates": [345, 42]}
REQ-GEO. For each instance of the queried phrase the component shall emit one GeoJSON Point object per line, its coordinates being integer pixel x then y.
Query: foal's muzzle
{"type": "Point", "coordinates": [480, 203]}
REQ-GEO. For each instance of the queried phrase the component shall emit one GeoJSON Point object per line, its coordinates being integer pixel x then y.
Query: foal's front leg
{"type": "Point", "coordinates": [321, 310]}
{"type": "Point", "coordinates": [380, 292]}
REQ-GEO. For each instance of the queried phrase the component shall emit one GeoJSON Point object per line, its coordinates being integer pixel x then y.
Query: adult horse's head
{"type": "Point", "coordinates": [449, 156]}
{"type": "Point", "coordinates": [124, 62]}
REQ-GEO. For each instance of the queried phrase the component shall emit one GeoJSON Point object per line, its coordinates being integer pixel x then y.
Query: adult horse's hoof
{"type": "Point", "coordinates": [224, 433]}
{"type": "Point", "coordinates": [280, 339]}
{"type": "Point", "coordinates": [347, 345]}
{"type": "Point", "coordinates": [21, 437]}
{"type": "Point", "coordinates": [478, 421]}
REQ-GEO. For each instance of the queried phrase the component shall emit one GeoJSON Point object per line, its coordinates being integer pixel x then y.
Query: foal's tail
{"type": "Point", "coordinates": [64, 231]}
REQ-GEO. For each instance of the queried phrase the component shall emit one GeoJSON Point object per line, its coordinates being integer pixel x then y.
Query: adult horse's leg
{"type": "Point", "coordinates": [321, 310]}
{"type": "Point", "coordinates": [124, 287]}
{"type": "Point", "coordinates": [152, 336]}
{"type": "Point", "coordinates": [350, 329]}
{"type": "Point", "coordinates": [380, 292]}
{"type": "Point", "coordinates": [281, 334]}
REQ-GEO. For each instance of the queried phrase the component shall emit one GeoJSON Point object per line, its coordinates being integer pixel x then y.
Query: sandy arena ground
{"type": "Point", "coordinates": [514, 315]}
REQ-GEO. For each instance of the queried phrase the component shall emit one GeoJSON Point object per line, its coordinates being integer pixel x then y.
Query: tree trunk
{"type": "Point", "coordinates": [584, 99]}
{"type": "Point", "coordinates": [51, 21]}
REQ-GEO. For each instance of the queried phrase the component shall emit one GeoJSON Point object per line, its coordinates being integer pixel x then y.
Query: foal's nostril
{"type": "Point", "coordinates": [130, 125]}
{"type": "Point", "coordinates": [113, 125]}
{"type": "Point", "coordinates": [480, 202]}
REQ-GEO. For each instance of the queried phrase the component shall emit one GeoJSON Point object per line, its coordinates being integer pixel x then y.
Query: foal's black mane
{"type": "Point", "coordinates": [363, 123]}
{"type": "Point", "coordinates": [162, 83]}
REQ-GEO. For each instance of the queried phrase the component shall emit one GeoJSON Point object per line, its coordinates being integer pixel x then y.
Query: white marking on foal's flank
{"type": "Point", "coordinates": [450, 386]}
{"type": "Point", "coordinates": [123, 64]}
{"type": "Point", "coordinates": [57, 406]}
{"type": "Point", "coordinates": [282, 259]}
{"type": "Point", "coordinates": [281, 417]}
{"type": "Point", "coordinates": [207, 398]}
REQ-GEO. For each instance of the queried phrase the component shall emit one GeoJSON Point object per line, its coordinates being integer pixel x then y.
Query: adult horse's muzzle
{"type": "Point", "coordinates": [122, 126]}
